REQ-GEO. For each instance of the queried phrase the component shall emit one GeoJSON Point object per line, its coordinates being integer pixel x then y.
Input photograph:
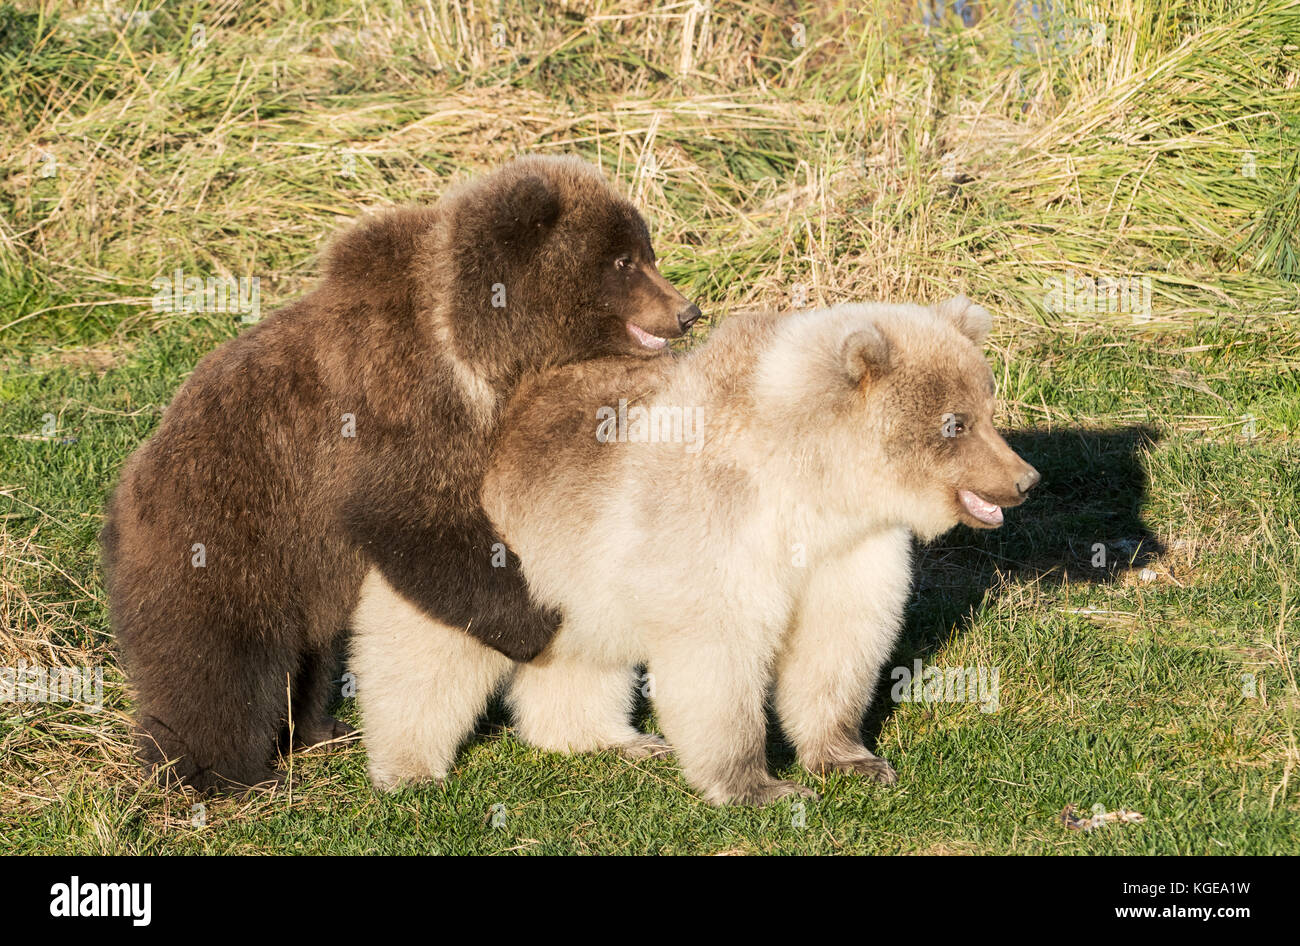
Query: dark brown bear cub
{"type": "Point", "coordinates": [352, 429]}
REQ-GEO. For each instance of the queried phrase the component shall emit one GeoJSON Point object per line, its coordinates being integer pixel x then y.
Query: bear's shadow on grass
{"type": "Point", "coordinates": [1093, 491]}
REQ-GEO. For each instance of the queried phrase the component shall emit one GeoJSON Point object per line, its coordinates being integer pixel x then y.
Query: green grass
{"type": "Point", "coordinates": [880, 160]}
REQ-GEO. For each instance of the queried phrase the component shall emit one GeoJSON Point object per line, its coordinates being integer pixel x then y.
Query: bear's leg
{"type": "Point", "coordinates": [210, 704]}
{"type": "Point", "coordinates": [833, 655]}
{"type": "Point", "coordinates": [710, 697]}
{"type": "Point", "coordinates": [165, 752]}
{"type": "Point", "coordinates": [421, 685]}
{"type": "Point", "coordinates": [450, 571]}
{"type": "Point", "coordinates": [313, 692]}
{"type": "Point", "coordinates": [563, 704]}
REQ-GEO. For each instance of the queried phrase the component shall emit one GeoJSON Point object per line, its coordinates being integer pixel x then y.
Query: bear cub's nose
{"type": "Point", "coordinates": [687, 317]}
{"type": "Point", "coordinates": [1028, 480]}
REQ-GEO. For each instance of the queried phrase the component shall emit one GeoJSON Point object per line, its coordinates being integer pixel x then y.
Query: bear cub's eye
{"type": "Point", "coordinates": [953, 425]}
{"type": "Point", "coordinates": [623, 262]}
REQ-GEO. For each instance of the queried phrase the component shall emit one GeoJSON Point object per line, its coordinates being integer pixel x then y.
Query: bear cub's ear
{"type": "Point", "coordinates": [529, 208]}
{"type": "Point", "coordinates": [865, 355]}
{"type": "Point", "coordinates": [971, 320]}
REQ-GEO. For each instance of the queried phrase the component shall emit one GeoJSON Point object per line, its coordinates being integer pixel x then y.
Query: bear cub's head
{"type": "Point", "coordinates": [553, 266]}
{"type": "Point", "coordinates": [905, 405]}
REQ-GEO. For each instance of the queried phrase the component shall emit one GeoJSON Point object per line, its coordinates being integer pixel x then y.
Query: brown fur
{"type": "Point", "coordinates": [250, 458]}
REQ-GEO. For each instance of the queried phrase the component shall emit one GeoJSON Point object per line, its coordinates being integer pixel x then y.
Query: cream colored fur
{"type": "Point", "coordinates": [421, 685]}
{"type": "Point", "coordinates": [776, 558]}
{"type": "Point", "coordinates": [475, 388]}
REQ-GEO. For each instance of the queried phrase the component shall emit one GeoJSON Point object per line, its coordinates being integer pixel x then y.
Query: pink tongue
{"type": "Point", "coordinates": [981, 510]}
{"type": "Point", "coordinates": [645, 338]}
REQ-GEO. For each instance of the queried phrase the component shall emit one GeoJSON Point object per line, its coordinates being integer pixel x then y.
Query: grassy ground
{"type": "Point", "coordinates": [786, 154]}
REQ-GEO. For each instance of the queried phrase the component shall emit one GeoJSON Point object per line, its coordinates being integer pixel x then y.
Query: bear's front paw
{"type": "Point", "coordinates": [645, 746]}
{"type": "Point", "coordinates": [324, 731]}
{"type": "Point", "coordinates": [868, 766]}
{"type": "Point", "coordinates": [762, 793]}
{"type": "Point", "coordinates": [389, 779]}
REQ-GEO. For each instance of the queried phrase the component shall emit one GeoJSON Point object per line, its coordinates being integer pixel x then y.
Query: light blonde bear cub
{"type": "Point", "coordinates": [753, 534]}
